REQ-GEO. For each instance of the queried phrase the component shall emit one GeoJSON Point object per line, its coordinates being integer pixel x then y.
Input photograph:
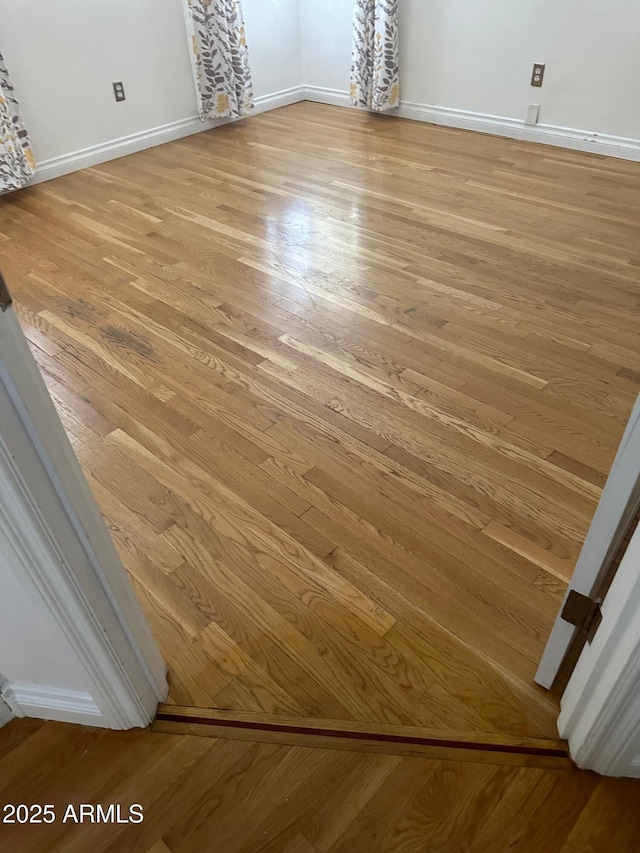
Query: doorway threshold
{"type": "Point", "coordinates": [362, 736]}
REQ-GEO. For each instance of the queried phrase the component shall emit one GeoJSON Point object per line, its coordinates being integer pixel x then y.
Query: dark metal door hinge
{"type": "Point", "coordinates": [5, 296]}
{"type": "Point", "coordinates": [583, 612]}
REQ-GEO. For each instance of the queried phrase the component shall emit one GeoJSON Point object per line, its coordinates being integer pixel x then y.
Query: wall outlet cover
{"type": "Point", "coordinates": [118, 91]}
{"type": "Point", "coordinates": [533, 113]}
{"type": "Point", "coordinates": [538, 74]}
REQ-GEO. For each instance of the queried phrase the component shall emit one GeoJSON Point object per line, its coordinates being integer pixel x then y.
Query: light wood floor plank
{"type": "Point", "coordinates": [346, 390]}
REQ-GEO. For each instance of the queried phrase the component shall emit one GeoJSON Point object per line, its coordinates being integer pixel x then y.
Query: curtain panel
{"type": "Point", "coordinates": [17, 163]}
{"type": "Point", "coordinates": [221, 58]}
{"type": "Point", "coordinates": [375, 72]}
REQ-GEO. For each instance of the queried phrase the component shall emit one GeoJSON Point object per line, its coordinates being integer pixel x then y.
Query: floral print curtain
{"type": "Point", "coordinates": [17, 163]}
{"type": "Point", "coordinates": [375, 72]}
{"type": "Point", "coordinates": [221, 58]}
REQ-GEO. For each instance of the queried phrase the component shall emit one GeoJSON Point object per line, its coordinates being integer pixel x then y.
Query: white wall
{"type": "Point", "coordinates": [593, 56]}
{"type": "Point", "coordinates": [64, 56]}
{"type": "Point", "coordinates": [460, 55]}
{"type": "Point", "coordinates": [33, 647]}
{"type": "Point", "coordinates": [273, 36]}
{"type": "Point", "coordinates": [477, 56]}
{"type": "Point", "coordinates": [38, 662]}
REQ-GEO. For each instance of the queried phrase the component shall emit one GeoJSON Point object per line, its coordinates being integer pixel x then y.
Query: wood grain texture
{"type": "Point", "coordinates": [201, 795]}
{"type": "Point", "coordinates": [346, 389]}
{"type": "Point", "coordinates": [362, 737]}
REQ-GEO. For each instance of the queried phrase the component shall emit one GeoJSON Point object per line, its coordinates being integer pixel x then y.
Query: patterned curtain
{"type": "Point", "coordinates": [17, 163]}
{"type": "Point", "coordinates": [375, 72]}
{"type": "Point", "coordinates": [221, 58]}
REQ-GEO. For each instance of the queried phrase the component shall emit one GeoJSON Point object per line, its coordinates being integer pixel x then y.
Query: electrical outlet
{"type": "Point", "coordinates": [118, 91]}
{"type": "Point", "coordinates": [538, 74]}
{"type": "Point", "coordinates": [533, 112]}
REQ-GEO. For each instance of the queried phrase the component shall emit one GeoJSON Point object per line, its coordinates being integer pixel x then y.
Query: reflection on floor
{"type": "Point", "coordinates": [346, 389]}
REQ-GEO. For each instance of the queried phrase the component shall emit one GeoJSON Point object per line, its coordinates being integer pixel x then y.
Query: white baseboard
{"type": "Point", "coordinates": [76, 160]}
{"type": "Point", "coordinates": [336, 97]}
{"type": "Point", "coordinates": [6, 713]}
{"type": "Point", "coordinates": [608, 145]}
{"type": "Point", "coordinates": [564, 137]}
{"type": "Point", "coordinates": [58, 166]}
{"type": "Point", "coordinates": [49, 703]}
{"type": "Point", "coordinates": [605, 144]}
{"type": "Point", "coordinates": [283, 98]}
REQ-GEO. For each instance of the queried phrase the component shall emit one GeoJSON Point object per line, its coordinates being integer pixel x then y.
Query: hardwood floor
{"type": "Point", "coordinates": [363, 737]}
{"type": "Point", "coordinates": [346, 389]}
{"type": "Point", "coordinates": [201, 795]}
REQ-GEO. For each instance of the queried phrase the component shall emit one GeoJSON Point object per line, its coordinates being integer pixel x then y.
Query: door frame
{"type": "Point", "coordinates": [600, 714]}
{"type": "Point", "coordinates": [58, 538]}
{"type": "Point", "coordinates": [617, 506]}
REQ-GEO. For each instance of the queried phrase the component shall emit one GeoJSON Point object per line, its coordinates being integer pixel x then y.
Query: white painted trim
{"type": "Point", "coordinates": [6, 714]}
{"type": "Point", "coordinates": [57, 166]}
{"type": "Point", "coordinates": [601, 706]}
{"type": "Point", "coordinates": [53, 530]}
{"type": "Point", "coordinates": [611, 519]}
{"type": "Point", "coordinates": [48, 703]}
{"type": "Point", "coordinates": [334, 97]}
{"type": "Point", "coordinates": [564, 137]}
{"type": "Point", "coordinates": [283, 98]}
{"type": "Point", "coordinates": [82, 159]}
{"type": "Point", "coordinates": [605, 144]}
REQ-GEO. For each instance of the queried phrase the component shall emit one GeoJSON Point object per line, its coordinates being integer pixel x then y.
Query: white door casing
{"type": "Point", "coordinates": [63, 555]}
{"type": "Point", "coordinates": [601, 705]}
{"type": "Point", "coordinates": [600, 708]}
{"type": "Point", "coordinates": [615, 510]}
